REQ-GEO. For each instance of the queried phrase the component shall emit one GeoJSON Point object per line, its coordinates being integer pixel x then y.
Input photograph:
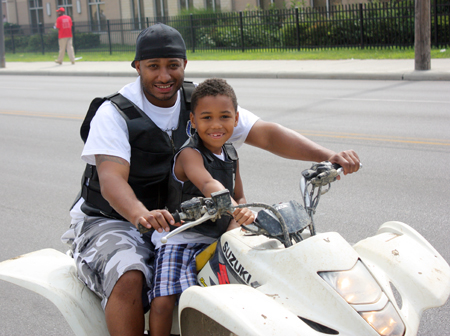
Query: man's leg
{"type": "Point", "coordinates": [114, 261]}
{"type": "Point", "coordinates": [70, 51]}
{"type": "Point", "coordinates": [62, 50]}
{"type": "Point", "coordinates": [161, 313]}
{"type": "Point", "coordinates": [124, 311]}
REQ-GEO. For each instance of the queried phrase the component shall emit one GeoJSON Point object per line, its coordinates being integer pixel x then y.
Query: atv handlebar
{"type": "Point", "coordinates": [199, 209]}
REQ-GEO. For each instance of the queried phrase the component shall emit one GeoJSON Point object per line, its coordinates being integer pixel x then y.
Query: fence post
{"type": "Point", "coordinates": [42, 38]}
{"type": "Point", "coordinates": [2, 41]}
{"type": "Point", "coordinates": [298, 28]}
{"type": "Point", "coordinates": [109, 37]}
{"type": "Point", "coordinates": [436, 41]}
{"type": "Point", "coordinates": [361, 24]}
{"type": "Point", "coordinates": [192, 32]}
{"type": "Point", "coordinates": [73, 36]}
{"type": "Point", "coordinates": [12, 40]}
{"type": "Point", "coordinates": [241, 22]}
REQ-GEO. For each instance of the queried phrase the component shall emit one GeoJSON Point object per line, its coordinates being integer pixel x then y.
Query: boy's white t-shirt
{"type": "Point", "coordinates": [109, 132]}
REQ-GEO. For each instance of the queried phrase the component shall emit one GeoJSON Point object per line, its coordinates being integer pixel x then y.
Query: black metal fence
{"type": "Point", "coordinates": [370, 25]}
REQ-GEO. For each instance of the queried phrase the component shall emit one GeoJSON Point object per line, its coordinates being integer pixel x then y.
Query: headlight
{"type": "Point", "coordinates": [358, 287]}
{"type": "Point", "coordinates": [385, 321]}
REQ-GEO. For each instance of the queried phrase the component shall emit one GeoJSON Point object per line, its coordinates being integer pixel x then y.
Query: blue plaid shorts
{"type": "Point", "coordinates": [175, 269]}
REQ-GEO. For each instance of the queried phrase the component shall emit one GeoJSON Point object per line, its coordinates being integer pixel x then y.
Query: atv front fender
{"type": "Point", "coordinates": [399, 255]}
{"type": "Point", "coordinates": [236, 310]}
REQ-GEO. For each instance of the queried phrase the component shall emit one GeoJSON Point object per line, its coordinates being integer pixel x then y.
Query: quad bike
{"type": "Point", "coordinates": [274, 277]}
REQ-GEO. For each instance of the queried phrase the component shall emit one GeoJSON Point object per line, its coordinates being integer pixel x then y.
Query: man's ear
{"type": "Point", "coordinates": [236, 120]}
{"type": "Point", "coordinates": [137, 65]}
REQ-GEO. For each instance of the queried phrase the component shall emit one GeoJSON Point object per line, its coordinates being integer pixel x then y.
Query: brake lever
{"type": "Point", "coordinates": [186, 226]}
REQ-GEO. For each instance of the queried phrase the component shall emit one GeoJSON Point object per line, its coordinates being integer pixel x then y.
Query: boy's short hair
{"type": "Point", "coordinates": [213, 87]}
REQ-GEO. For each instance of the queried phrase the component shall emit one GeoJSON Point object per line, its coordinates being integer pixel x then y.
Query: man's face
{"type": "Point", "coordinates": [161, 78]}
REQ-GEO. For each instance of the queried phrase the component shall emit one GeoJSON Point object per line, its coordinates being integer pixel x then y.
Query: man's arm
{"type": "Point", "coordinates": [289, 144]}
{"type": "Point", "coordinates": [113, 175]}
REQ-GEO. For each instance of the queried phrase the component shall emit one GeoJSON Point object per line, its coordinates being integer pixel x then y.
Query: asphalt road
{"type": "Point", "coordinates": [401, 130]}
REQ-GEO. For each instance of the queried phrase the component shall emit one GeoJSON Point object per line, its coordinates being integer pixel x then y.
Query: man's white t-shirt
{"type": "Point", "coordinates": [109, 133]}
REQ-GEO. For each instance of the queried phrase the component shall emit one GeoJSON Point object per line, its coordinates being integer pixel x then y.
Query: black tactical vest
{"type": "Point", "coordinates": [152, 151]}
{"type": "Point", "coordinates": [222, 171]}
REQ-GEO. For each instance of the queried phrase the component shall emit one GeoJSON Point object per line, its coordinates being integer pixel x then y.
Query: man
{"type": "Point", "coordinates": [125, 183]}
{"type": "Point", "coordinates": [64, 26]}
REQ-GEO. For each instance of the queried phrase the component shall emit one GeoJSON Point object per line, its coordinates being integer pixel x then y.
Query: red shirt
{"type": "Point", "coordinates": [64, 25]}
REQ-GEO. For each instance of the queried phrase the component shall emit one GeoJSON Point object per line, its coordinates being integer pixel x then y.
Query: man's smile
{"type": "Point", "coordinates": [164, 87]}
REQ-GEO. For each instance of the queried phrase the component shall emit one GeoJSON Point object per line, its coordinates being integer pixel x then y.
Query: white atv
{"type": "Point", "coordinates": [274, 277]}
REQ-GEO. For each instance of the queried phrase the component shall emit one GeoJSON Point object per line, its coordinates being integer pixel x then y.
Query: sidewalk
{"type": "Point", "coordinates": [338, 69]}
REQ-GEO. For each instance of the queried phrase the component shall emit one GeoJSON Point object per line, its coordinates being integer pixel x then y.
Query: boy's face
{"type": "Point", "coordinates": [214, 119]}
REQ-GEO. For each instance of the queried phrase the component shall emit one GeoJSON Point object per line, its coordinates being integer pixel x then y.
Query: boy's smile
{"type": "Point", "coordinates": [214, 119]}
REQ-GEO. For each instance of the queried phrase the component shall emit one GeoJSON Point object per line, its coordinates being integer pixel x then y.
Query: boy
{"type": "Point", "coordinates": [205, 164]}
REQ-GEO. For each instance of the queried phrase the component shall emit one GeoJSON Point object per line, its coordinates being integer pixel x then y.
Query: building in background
{"type": "Point", "coordinates": [97, 12]}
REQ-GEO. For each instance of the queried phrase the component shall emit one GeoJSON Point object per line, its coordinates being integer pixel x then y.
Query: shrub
{"type": "Point", "coordinates": [86, 40]}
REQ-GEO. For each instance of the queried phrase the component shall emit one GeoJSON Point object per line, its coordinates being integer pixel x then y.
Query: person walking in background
{"type": "Point", "coordinates": [64, 26]}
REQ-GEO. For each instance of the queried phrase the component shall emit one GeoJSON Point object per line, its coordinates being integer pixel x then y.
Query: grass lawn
{"type": "Point", "coordinates": [325, 54]}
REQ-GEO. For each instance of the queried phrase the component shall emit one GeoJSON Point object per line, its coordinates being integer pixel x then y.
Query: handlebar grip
{"type": "Point", "coordinates": [176, 217]}
{"type": "Point", "coordinates": [142, 229]}
{"type": "Point", "coordinates": [336, 166]}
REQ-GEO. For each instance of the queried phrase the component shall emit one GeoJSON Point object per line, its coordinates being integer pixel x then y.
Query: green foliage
{"type": "Point", "coordinates": [84, 41]}
{"type": "Point", "coordinates": [33, 43]}
{"type": "Point", "coordinates": [383, 24]}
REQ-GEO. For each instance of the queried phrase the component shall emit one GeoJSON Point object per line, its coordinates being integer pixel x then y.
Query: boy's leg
{"type": "Point", "coordinates": [124, 311]}
{"type": "Point", "coordinates": [161, 312]}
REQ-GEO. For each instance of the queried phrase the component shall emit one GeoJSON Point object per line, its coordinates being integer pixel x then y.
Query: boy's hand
{"type": "Point", "coordinates": [244, 216]}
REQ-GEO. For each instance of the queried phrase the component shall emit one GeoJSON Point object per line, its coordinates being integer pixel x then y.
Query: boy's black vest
{"type": "Point", "coordinates": [222, 171]}
{"type": "Point", "coordinates": [152, 151]}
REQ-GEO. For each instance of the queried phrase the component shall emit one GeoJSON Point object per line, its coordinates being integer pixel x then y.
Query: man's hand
{"type": "Point", "coordinates": [349, 161]}
{"type": "Point", "coordinates": [158, 220]}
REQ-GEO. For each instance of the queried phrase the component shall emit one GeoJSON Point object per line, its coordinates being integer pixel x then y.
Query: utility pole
{"type": "Point", "coordinates": [422, 36]}
{"type": "Point", "coordinates": [2, 38]}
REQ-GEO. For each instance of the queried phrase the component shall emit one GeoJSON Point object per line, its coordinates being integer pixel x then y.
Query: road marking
{"type": "Point", "coordinates": [41, 115]}
{"type": "Point", "coordinates": [390, 100]}
{"type": "Point", "coordinates": [325, 134]}
{"type": "Point", "coordinates": [385, 138]}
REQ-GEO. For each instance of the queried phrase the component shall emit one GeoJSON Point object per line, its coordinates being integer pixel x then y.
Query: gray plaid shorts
{"type": "Point", "coordinates": [104, 249]}
{"type": "Point", "coordinates": [175, 268]}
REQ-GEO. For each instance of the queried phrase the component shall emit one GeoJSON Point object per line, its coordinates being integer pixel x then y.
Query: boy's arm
{"type": "Point", "coordinates": [242, 216]}
{"type": "Point", "coordinates": [239, 196]}
{"type": "Point", "coordinates": [189, 166]}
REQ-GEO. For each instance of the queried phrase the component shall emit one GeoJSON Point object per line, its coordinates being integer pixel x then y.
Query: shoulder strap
{"type": "Point", "coordinates": [123, 105]}
{"type": "Point", "coordinates": [230, 151]}
{"type": "Point", "coordinates": [86, 125]}
{"type": "Point", "coordinates": [188, 88]}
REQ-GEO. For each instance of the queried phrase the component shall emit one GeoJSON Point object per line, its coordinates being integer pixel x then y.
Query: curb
{"type": "Point", "coordinates": [408, 76]}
